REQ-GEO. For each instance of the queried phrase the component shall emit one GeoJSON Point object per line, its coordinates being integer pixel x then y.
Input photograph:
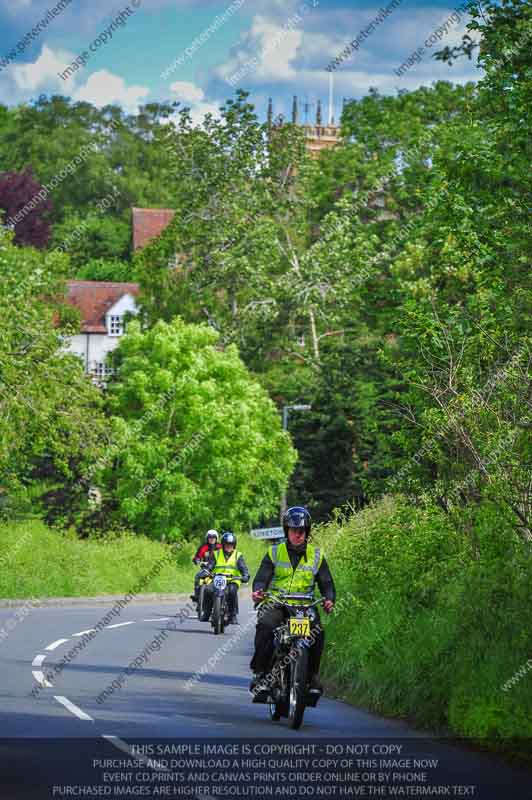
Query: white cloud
{"type": "Point", "coordinates": [193, 96]}
{"type": "Point", "coordinates": [21, 81]}
{"type": "Point", "coordinates": [42, 73]}
{"type": "Point", "coordinates": [198, 111]}
{"type": "Point", "coordinates": [266, 51]}
{"type": "Point", "coordinates": [188, 92]}
{"type": "Point", "coordinates": [103, 88]}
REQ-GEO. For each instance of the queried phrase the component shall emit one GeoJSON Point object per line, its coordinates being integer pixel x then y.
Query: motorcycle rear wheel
{"type": "Point", "coordinates": [201, 593]}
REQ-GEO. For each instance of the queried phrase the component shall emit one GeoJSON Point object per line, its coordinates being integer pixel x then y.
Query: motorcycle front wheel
{"type": "Point", "coordinates": [298, 687]}
{"type": "Point", "coordinates": [218, 615]}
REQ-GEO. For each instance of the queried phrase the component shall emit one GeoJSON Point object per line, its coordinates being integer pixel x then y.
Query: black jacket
{"type": "Point", "coordinates": [324, 578]}
{"type": "Point", "coordinates": [241, 564]}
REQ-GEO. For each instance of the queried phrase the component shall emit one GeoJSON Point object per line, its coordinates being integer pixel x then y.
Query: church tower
{"type": "Point", "coordinates": [318, 136]}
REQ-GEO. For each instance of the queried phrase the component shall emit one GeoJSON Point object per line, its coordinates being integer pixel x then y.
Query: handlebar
{"type": "Point", "coordinates": [225, 574]}
{"type": "Point", "coordinates": [279, 599]}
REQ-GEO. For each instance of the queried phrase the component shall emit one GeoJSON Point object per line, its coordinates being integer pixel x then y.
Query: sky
{"type": "Point", "coordinates": [199, 52]}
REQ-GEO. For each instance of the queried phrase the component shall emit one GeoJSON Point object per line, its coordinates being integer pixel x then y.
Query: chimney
{"type": "Point", "coordinates": [294, 110]}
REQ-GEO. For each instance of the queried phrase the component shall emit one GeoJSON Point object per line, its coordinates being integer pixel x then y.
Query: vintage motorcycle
{"type": "Point", "coordinates": [285, 688]}
{"type": "Point", "coordinates": [220, 610]}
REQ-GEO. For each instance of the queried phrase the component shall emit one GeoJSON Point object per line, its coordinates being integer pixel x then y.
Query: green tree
{"type": "Point", "coordinates": [201, 442]}
{"type": "Point", "coordinates": [244, 227]}
{"type": "Point", "coordinates": [51, 416]}
{"type": "Point", "coordinates": [92, 237]}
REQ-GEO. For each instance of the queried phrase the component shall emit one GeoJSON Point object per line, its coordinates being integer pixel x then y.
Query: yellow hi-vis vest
{"type": "Point", "coordinates": [228, 566]}
{"type": "Point", "coordinates": [299, 580]}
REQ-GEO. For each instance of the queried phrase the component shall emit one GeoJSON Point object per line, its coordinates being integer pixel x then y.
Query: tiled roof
{"type": "Point", "coordinates": [148, 223]}
{"type": "Point", "coordinates": [94, 299]}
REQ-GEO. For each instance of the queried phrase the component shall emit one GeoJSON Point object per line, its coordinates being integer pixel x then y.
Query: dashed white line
{"type": "Point", "coordinates": [120, 625]}
{"type": "Point", "coordinates": [157, 619]}
{"type": "Point", "coordinates": [37, 661]}
{"type": "Point", "coordinates": [72, 708]}
{"type": "Point", "coordinates": [126, 748]}
{"type": "Point", "coordinates": [82, 633]}
{"type": "Point", "coordinates": [39, 677]}
{"type": "Point", "coordinates": [56, 644]}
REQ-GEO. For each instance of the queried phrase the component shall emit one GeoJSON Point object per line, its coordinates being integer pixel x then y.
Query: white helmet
{"type": "Point", "coordinates": [211, 532]}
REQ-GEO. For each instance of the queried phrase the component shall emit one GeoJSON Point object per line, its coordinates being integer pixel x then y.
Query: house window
{"type": "Point", "coordinates": [101, 371]}
{"type": "Point", "coordinates": [116, 326]}
{"type": "Point", "coordinates": [173, 261]}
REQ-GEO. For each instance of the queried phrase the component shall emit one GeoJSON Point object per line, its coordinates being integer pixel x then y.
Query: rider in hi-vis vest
{"type": "Point", "coordinates": [293, 566]}
{"type": "Point", "coordinates": [302, 579]}
{"type": "Point", "coordinates": [229, 561]}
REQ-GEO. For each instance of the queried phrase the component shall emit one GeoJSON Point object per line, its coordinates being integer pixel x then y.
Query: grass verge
{"type": "Point", "coordinates": [36, 561]}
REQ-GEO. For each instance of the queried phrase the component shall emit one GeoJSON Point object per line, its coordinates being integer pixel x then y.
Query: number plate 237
{"type": "Point", "coordinates": [299, 627]}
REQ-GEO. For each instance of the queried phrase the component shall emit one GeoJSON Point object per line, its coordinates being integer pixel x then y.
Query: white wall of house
{"type": "Point", "coordinates": [93, 348]}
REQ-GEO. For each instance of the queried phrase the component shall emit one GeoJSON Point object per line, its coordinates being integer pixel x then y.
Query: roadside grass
{"type": "Point", "coordinates": [437, 620]}
{"type": "Point", "coordinates": [38, 562]}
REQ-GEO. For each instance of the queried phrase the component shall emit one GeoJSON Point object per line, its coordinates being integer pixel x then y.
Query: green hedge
{"type": "Point", "coordinates": [36, 561]}
{"type": "Point", "coordinates": [437, 619]}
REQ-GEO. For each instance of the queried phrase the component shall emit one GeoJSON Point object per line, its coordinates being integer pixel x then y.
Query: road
{"type": "Point", "coordinates": [57, 737]}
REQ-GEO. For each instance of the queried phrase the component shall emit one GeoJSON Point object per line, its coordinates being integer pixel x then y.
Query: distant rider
{"type": "Point", "coordinates": [202, 554]}
{"type": "Point", "coordinates": [227, 560]}
{"type": "Point", "coordinates": [292, 566]}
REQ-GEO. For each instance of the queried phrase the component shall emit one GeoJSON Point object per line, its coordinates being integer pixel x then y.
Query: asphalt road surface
{"type": "Point", "coordinates": [61, 736]}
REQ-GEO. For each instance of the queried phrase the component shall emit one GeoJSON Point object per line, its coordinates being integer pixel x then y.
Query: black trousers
{"type": "Point", "coordinates": [231, 594]}
{"type": "Point", "coordinates": [197, 576]}
{"type": "Point", "coordinates": [270, 619]}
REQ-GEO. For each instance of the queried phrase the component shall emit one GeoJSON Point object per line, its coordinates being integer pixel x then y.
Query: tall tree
{"type": "Point", "coordinates": [19, 195]}
{"type": "Point", "coordinates": [51, 416]}
{"type": "Point", "coordinates": [200, 441]}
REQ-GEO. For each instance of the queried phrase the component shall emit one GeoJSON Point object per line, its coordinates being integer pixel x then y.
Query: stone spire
{"type": "Point", "coordinates": [294, 110]}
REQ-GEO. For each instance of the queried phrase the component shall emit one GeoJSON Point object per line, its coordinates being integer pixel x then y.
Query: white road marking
{"type": "Point", "coordinates": [82, 633]}
{"type": "Point", "coordinates": [157, 619]}
{"type": "Point", "coordinates": [37, 661]}
{"type": "Point", "coordinates": [120, 624]}
{"type": "Point", "coordinates": [72, 708]}
{"type": "Point", "coordinates": [56, 644]}
{"type": "Point", "coordinates": [126, 748]}
{"type": "Point", "coordinates": [39, 677]}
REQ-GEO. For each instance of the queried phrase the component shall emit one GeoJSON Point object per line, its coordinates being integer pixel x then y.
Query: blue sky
{"type": "Point", "coordinates": [279, 47]}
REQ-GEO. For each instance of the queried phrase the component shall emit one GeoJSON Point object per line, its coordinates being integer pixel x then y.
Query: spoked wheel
{"type": "Point", "coordinates": [217, 615]}
{"type": "Point", "coordinates": [223, 611]}
{"type": "Point", "coordinates": [201, 593]}
{"type": "Point", "coordinates": [298, 685]}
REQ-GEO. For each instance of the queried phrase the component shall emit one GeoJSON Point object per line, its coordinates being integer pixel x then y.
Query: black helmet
{"type": "Point", "coordinates": [297, 517]}
{"type": "Point", "coordinates": [228, 538]}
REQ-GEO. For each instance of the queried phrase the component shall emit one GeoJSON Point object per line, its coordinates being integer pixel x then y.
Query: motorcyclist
{"type": "Point", "coordinates": [202, 553]}
{"type": "Point", "coordinates": [295, 566]}
{"type": "Point", "coordinates": [227, 560]}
